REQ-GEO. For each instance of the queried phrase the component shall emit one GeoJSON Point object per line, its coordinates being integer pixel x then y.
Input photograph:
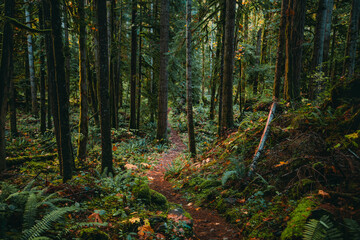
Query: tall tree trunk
{"type": "Point", "coordinates": [52, 92]}
{"type": "Point", "coordinates": [190, 120]}
{"type": "Point", "coordinates": [352, 36]}
{"type": "Point", "coordinates": [12, 103]}
{"type": "Point", "coordinates": [63, 97]}
{"type": "Point", "coordinates": [66, 48]}
{"type": "Point", "coordinates": [327, 37]}
{"type": "Point", "coordinates": [257, 56]}
{"type": "Point", "coordinates": [113, 67]}
{"type": "Point", "coordinates": [103, 88]}
{"type": "Point", "coordinates": [280, 55]}
{"type": "Point", "coordinates": [84, 106]}
{"type": "Point", "coordinates": [138, 107]}
{"type": "Point", "coordinates": [163, 75]}
{"type": "Point", "coordinates": [294, 40]}
{"type": "Point", "coordinates": [227, 119]}
{"type": "Point", "coordinates": [118, 79]}
{"type": "Point", "coordinates": [215, 75]}
{"type": "Point", "coordinates": [133, 66]}
{"type": "Point", "coordinates": [203, 78]}
{"type": "Point", "coordinates": [42, 76]}
{"type": "Point", "coordinates": [318, 51]}
{"type": "Point", "coordinates": [34, 105]}
{"type": "Point", "coordinates": [5, 76]}
{"type": "Point", "coordinates": [221, 70]}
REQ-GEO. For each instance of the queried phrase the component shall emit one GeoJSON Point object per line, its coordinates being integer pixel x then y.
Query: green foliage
{"type": "Point", "coordinates": [46, 223]}
{"type": "Point", "coordinates": [298, 217]}
{"type": "Point", "coordinates": [353, 228]}
{"type": "Point", "coordinates": [321, 229]}
{"type": "Point", "coordinates": [237, 174]}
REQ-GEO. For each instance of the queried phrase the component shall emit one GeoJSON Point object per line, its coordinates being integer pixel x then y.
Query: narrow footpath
{"type": "Point", "coordinates": [207, 224]}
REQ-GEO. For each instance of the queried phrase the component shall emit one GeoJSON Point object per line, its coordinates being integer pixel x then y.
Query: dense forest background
{"type": "Point", "coordinates": [264, 94]}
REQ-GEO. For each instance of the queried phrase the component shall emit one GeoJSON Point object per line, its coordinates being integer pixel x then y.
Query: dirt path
{"type": "Point", "coordinates": [207, 224]}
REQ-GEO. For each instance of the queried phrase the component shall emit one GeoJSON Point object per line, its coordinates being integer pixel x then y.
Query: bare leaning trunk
{"type": "Point", "coordinates": [352, 36]}
{"type": "Point", "coordinates": [84, 106]}
{"type": "Point", "coordinates": [5, 76]}
{"type": "Point", "coordinates": [103, 88]}
{"type": "Point", "coordinates": [190, 120]}
{"type": "Point", "coordinates": [34, 105]}
{"type": "Point", "coordinates": [280, 55]}
{"type": "Point", "coordinates": [163, 76]}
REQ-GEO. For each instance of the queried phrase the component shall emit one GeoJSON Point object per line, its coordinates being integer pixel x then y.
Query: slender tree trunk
{"type": "Point", "coordinates": [118, 78]}
{"type": "Point", "coordinates": [63, 97]}
{"type": "Point", "coordinates": [333, 59]}
{"type": "Point", "coordinates": [294, 40]}
{"type": "Point", "coordinates": [84, 106]}
{"type": "Point", "coordinates": [66, 48]}
{"type": "Point", "coordinates": [34, 104]}
{"type": "Point", "coordinates": [227, 119]}
{"type": "Point", "coordinates": [221, 72]}
{"type": "Point", "coordinates": [280, 55]}
{"type": "Point", "coordinates": [190, 120]}
{"type": "Point", "coordinates": [12, 103]}
{"type": "Point", "coordinates": [103, 88]}
{"type": "Point", "coordinates": [327, 37]}
{"type": "Point", "coordinates": [138, 107]}
{"type": "Point", "coordinates": [133, 66]}
{"type": "Point", "coordinates": [352, 36]}
{"type": "Point", "coordinates": [215, 75]}
{"type": "Point", "coordinates": [42, 77]}
{"type": "Point", "coordinates": [203, 78]}
{"type": "Point", "coordinates": [52, 92]}
{"type": "Point", "coordinates": [5, 76]}
{"type": "Point", "coordinates": [257, 55]}
{"type": "Point", "coordinates": [163, 76]}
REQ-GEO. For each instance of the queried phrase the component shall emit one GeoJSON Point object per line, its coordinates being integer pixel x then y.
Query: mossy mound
{"type": "Point", "coordinates": [93, 234]}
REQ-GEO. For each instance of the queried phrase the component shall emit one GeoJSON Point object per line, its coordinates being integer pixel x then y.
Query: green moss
{"type": "Point", "coordinates": [158, 201]}
{"type": "Point", "coordinates": [296, 224]}
{"type": "Point", "coordinates": [93, 234]}
{"type": "Point", "coordinates": [262, 234]}
{"type": "Point", "coordinates": [303, 186]}
{"type": "Point", "coordinates": [221, 205]}
{"type": "Point", "coordinates": [210, 183]}
{"type": "Point", "coordinates": [142, 192]}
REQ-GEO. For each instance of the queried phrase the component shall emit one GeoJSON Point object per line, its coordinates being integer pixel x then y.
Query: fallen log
{"type": "Point", "coordinates": [263, 139]}
{"type": "Point", "coordinates": [37, 158]}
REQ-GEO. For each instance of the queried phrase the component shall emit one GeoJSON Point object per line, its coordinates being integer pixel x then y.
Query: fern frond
{"type": "Point", "coordinates": [28, 187]}
{"type": "Point", "coordinates": [321, 229]}
{"type": "Point", "coordinates": [46, 222]}
{"type": "Point", "coordinates": [353, 228]}
{"type": "Point", "coordinates": [226, 176]}
{"type": "Point", "coordinates": [30, 211]}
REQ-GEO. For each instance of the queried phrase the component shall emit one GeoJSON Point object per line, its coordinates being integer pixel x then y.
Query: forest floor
{"type": "Point", "coordinates": [207, 224]}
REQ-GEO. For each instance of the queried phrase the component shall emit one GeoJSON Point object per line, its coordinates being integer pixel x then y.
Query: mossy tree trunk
{"type": "Point", "coordinates": [63, 96]}
{"type": "Point", "coordinates": [103, 88]}
{"type": "Point", "coordinates": [5, 76]}
{"type": "Point", "coordinates": [133, 65]}
{"type": "Point", "coordinates": [84, 106]}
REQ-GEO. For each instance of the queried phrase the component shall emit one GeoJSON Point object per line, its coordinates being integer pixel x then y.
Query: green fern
{"type": "Point", "coordinates": [322, 229]}
{"type": "Point", "coordinates": [30, 211]}
{"type": "Point", "coordinates": [46, 223]}
{"type": "Point", "coordinates": [353, 228]}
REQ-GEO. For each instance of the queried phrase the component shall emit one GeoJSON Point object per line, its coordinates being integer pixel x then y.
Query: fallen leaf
{"type": "Point", "coordinates": [324, 194]}
{"type": "Point", "coordinates": [130, 166]}
{"type": "Point", "coordinates": [281, 163]}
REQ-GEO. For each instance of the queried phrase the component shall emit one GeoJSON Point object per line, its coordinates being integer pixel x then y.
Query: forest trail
{"type": "Point", "coordinates": [207, 224]}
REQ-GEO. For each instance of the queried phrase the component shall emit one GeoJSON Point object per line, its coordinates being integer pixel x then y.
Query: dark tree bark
{"type": "Point", "coordinates": [63, 97]}
{"type": "Point", "coordinates": [294, 40]}
{"type": "Point", "coordinates": [352, 36]}
{"type": "Point", "coordinates": [42, 76]}
{"type": "Point", "coordinates": [317, 57]}
{"type": "Point", "coordinates": [12, 103]}
{"type": "Point", "coordinates": [221, 67]}
{"type": "Point", "coordinates": [52, 91]}
{"type": "Point", "coordinates": [227, 118]}
{"type": "Point", "coordinates": [34, 104]}
{"type": "Point", "coordinates": [5, 76]}
{"type": "Point", "coordinates": [255, 76]}
{"type": "Point", "coordinates": [105, 121]}
{"type": "Point", "coordinates": [84, 106]}
{"type": "Point", "coordinates": [133, 66]}
{"type": "Point", "coordinates": [280, 55]}
{"type": "Point", "coordinates": [215, 74]}
{"type": "Point", "coordinates": [66, 47]}
{"type": "Point", "coordinates": [190, 120]}
{"type": "Point", "coordinates": [327, 37]}
{"type": "Point", "coordinates": [138, 102]}
{"type": "Point", "coordinates": [163, 76]}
